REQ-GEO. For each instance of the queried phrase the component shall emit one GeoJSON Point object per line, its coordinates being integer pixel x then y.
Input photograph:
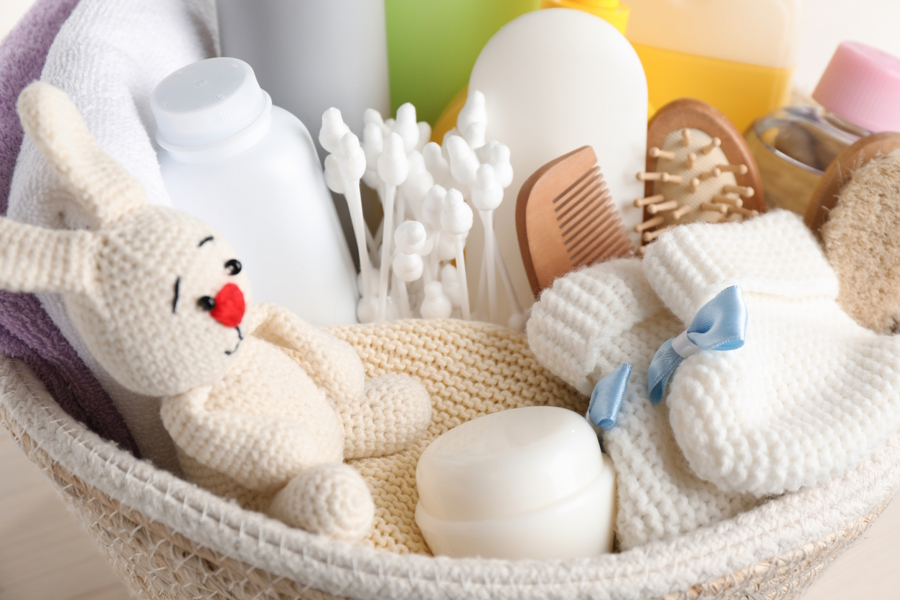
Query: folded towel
{"type": "Point", "coordinates": [26, 332]}
{"type": "Point", "coordinates": [108, 57]}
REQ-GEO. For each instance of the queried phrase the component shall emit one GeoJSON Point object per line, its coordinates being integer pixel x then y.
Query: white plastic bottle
{"type": "Point", "coordinates": [251, 170]}
{"type": "Point", "coordinates": [555, 80]}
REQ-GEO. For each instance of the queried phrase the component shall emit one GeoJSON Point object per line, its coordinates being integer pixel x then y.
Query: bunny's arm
{"type": "Point", "coordinates": [260, 452]}
{"type": "Point", "coordinates": [333, 364]}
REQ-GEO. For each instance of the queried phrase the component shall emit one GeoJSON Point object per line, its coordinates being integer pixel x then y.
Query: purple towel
{"type": "Point", "coordinates": [26, 331]}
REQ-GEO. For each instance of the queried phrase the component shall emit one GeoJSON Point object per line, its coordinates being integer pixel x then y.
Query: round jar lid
{"type": "Point", "coordinates": [862, 85]}
{"type": "Point", "coordinates": [508, 463]}
{"type": "Point", "coordinates": [206, 102]}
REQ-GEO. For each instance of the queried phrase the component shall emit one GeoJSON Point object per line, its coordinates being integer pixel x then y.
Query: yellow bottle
{"type": "Point", "coordinates": [738, 55]}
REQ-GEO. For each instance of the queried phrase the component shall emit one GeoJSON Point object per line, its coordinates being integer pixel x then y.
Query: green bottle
{"type": "Point", "coordinates": [433, 44]}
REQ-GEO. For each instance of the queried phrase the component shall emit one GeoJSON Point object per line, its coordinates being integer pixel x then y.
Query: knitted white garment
{"type": "Point", "coordinates": [583, 327]}
{"type": "Point", "coordinates": [810, 394]}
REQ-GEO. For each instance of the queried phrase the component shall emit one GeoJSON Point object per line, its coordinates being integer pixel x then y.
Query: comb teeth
{"type": "Point", "coordinates": [589, 223]}
{"type": "Point", "coordinates": [566, 219]}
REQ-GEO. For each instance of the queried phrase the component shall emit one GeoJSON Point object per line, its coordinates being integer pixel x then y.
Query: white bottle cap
{"type": "Point", "coordinates": [206, 102]}
{"type": "Point", "coordinates": [521, 483]}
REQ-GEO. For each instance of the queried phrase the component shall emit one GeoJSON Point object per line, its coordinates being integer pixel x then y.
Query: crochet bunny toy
{"type": "Point", "coordinates": [255, 399]}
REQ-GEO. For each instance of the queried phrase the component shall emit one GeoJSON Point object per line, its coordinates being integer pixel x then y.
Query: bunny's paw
{"type": "Point", "coordinates": [329, 499]}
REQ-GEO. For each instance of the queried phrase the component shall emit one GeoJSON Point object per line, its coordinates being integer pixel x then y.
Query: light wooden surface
{"type": "Point", "coordinates": [44, 552]}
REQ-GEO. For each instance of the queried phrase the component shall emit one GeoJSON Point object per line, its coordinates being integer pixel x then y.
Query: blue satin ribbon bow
{"type": "Point", "coordinates": [720, 325]}
{"type": "Point", "coordinates": [606, 399]}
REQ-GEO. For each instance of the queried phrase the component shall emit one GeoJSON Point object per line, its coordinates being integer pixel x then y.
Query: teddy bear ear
{"type": "Point", "coordinates": [34, 259]}
{"type": "Point", "coordinates": [98, 183]}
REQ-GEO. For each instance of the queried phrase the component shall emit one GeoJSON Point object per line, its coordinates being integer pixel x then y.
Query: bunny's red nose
{"type": "Point", "coordinates": [229, 309]}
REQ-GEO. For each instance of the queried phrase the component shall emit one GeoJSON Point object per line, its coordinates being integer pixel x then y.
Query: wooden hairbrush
{"type": "Point", "coordinates": [565, 219]}
{"type": "Point", "coordinates": [699, 168]}
{"type": "Point", "coordinates": [855, 211]}
{"type": "Point", "coordinates": [839, 173]}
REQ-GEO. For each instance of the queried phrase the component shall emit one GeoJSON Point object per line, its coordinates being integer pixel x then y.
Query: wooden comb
{"type": "Point", "coordinates": [699, 168]}
{"type": "Point", "coordinates": [565, 219]}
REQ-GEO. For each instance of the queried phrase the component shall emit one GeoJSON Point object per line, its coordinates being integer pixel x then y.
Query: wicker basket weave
{"type": "Point", "coordinates": [169, 539]}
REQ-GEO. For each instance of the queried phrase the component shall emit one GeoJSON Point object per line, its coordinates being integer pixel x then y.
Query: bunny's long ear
{"type": "Point", "coordinates": [98, 183]}
{"type": "Point", "coordinates": [34, 259]}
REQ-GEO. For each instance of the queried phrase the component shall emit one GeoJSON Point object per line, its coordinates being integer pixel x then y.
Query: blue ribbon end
{"type": "Point", "coordinates": [607, 398]}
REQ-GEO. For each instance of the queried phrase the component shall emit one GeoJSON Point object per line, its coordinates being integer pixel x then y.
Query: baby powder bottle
{"type": "Point", "coordinates": [554, 81]}
{"type": "Point", "coordinates": [251, 171]}
{"type": "Point", "coordinates": [859, 93]}
{"type": "Point", "coordinates": [738, 55]}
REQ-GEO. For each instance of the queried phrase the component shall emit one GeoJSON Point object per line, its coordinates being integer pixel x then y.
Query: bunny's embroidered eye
{"type": "Point", "coordinates": [206, 303]}
{"type": "Point", "coordinates": [233, 266]}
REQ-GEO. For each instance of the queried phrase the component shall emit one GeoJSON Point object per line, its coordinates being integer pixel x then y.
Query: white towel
{"type": "Point", "coordinates": [108, 57]}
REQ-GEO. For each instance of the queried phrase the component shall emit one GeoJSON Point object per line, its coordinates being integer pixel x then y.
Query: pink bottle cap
{"type": "Point", "coordinates": [862, 85]}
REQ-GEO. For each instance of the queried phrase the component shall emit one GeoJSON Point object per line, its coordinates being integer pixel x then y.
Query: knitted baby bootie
{"type": "Point", "coordinates": [582, 328]}
{"type": "Point", "coordinates": [810, 393]}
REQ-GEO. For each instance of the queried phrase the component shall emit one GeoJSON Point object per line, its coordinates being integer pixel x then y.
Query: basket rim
{"type": "Point", "coordinates": [770, 530]}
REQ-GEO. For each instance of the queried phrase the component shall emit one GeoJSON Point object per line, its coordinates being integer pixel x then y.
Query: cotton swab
{"type": "Point", "coordinates": [517, 319]}
{"type": "Point", "coordinates": [432, 206]}
{"type": "Point", "coordinates": [335, 181]}
{"type": "Point", "coordinates": [486, 197]}
{"type": "Point", "coordinates": [474, 111]}
{"type": "Point", "coordinates": [370, 115]}
{"type": "Point", "coordinates": [472, 120]}
{"type": "Point", "coordinates": [475, 134]}
{"type": "Point", "coordinates": [373, 145]}
{"type": "Point", "coordinates": [450, 283]}
{"type": "Point", "coordinates": [352, 162]}
{"type": "Point", "coordinates": [417, 184]}
{"type": "Point", "coordinates": [406, 127]}
{"type": "Point", "coordinates": [436, 164]}
{"type": "Point", "coordinates": [456, 220]}
{"type": "Point", "coordinates": [333, 178]}
{"type": "Point", "coordinates": [424, 135]}
{"type": "Point", "coordinates": [463, 162]}
{"type": "Point", "coordinates": [502, 166]}
{"type": "Point", "coordinates": [435, 305]}
{"type": "Point", "coordinates": [393, 168]}
{"type": "Point", "coordinates": [408, 264]}
{"type": "Point", "coordinates": [333, 129]}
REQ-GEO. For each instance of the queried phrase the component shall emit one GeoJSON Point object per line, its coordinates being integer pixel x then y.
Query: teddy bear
{"type": "Point", "coordinates": [262, 406]}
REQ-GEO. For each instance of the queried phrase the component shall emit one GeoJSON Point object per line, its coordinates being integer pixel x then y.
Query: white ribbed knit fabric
{"type": "Point", "coordinates": [251, 394]}
{"type": "Point", "coordinates": [584, 326]}
{"type": "Point", "coordinates": [810, 394]}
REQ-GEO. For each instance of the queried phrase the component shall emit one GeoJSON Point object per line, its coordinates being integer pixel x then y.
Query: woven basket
{"type": "Point", "coordinates": [169, 539]}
